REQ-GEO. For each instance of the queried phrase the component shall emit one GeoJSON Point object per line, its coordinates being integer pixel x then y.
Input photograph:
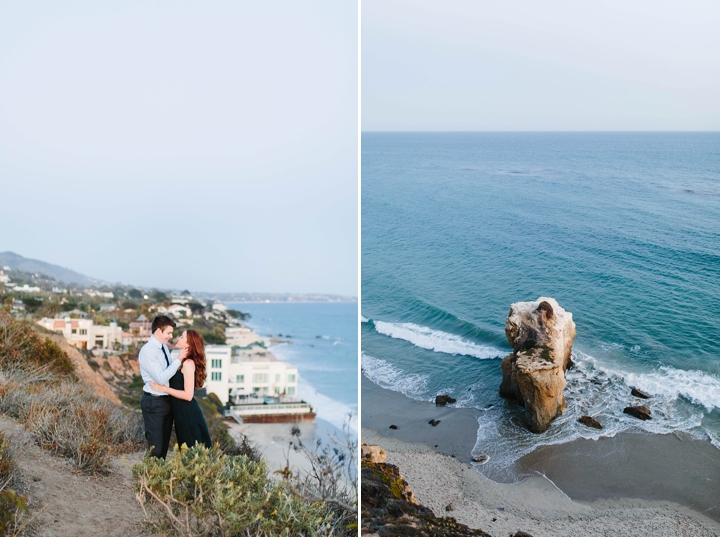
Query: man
{"type": "Point", "coordinates": [156, 365]}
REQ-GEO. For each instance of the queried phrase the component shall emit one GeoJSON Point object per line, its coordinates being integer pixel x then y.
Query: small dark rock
{"type": "Point", "coordinates": [442, 400]}
{"type": "Point", "coordinates": [639, 412]}
{"type": "Point", "coordinates": [434, 422]}
{"type": "Point", "coordinates": [639, 393]}
{"type": "Point", "coordinates": [522, 534]}
{"type": "Point", "coordinates": [590, 422]}
{"type": "Point", "coordinates": [494, 519]}
{"type": "Point", "coordinates": [480, 458]}
{"type": "Point", "coordinates": [449, 507]}
{"type": "Point", "coordinates": [393, 426]}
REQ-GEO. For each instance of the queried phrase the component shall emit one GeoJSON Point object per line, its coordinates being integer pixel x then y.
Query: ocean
{"type": "Point", "coordinates": [622, 229]}
{"type": "Point", "coordinates": [324, 349]}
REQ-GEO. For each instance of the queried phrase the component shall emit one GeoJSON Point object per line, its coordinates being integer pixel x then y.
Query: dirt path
{"type": "Point", "coordinates": [73, 504]}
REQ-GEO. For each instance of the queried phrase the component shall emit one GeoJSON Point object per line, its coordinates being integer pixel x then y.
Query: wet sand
{"type": "Point", "coordinates": [671, 480]}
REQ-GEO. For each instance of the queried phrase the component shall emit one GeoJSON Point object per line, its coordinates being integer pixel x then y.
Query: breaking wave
{"type": "Point", "coordinates": [435, 340]}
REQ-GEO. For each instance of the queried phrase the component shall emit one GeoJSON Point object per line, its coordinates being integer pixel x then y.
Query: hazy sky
{"type": "Point", "coordinates": [184, 144]}
{"type": "Point", "coordinates": [550, 65]}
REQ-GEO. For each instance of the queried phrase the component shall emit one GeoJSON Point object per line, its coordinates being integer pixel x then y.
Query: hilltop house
{"type": "Point", "coordinates": [4, 278]}
{"type": "Point", "coordinates": [83, 333]}
{"type": "Point", "coordinates": [178, 310]}
{"type": "Point", "coordinates": [28, 289]}
{"type": "Point", "coordinates": [234, 377]}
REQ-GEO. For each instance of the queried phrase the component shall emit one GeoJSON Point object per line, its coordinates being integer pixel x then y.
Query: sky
{"type": "Point", "coordinates": [553, 65]}
{"type": "Point", "coordinates": [209, 146]}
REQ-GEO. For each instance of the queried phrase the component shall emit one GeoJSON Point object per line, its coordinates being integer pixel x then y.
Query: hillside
{"type": "Point", "coordinates": [61, 274]}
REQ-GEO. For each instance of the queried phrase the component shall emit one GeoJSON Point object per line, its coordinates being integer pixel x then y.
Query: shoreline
{"type": "Point", "coordinates": [671, 480]}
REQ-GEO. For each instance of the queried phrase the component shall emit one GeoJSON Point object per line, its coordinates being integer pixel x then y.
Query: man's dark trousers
{"type": "Point", "coordinates": [158, 417]}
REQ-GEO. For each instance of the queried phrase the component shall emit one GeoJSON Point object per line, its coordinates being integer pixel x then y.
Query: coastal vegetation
{"type": "Point", "coordinates": [203, 492]}
{"type": "Point", "coordinates": [12, 505]}
{"type": "Point", "coordinates": [39, 389]}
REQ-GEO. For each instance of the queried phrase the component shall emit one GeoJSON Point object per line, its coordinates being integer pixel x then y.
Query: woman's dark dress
{"type": "Point", "coordinates": [190, 426]}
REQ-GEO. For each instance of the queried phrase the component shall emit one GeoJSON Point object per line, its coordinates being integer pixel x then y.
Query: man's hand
{"type": "Point", "coordinates": [183, 354]}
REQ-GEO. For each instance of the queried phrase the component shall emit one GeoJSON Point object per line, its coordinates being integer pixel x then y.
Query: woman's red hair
{"type": "Point", "coordinates": [196, 353]}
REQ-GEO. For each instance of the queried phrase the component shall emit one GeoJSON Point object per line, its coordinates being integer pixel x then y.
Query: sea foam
{"type": "Point", "coordinates": [435, 340]}
{"type": "Point", "coordinates": [388, 376]}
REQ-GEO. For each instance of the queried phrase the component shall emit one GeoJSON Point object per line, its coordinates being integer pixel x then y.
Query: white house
{"type": "Point", "coordinates": [178, 310]}
{"type": "Point", "coordinates": [83, 333]}
{"type": "Point", "coordinates": [28, 289]}
{"type": "Point", "coordinates": [4, 278]}
{"type": "Point", "coordinates": [247, 374]}
{"type": "Point", "coordinates": [241, 336]}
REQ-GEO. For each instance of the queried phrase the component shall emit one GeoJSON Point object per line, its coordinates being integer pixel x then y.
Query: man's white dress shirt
{"type": "Point", "coordinates": [153, 365]}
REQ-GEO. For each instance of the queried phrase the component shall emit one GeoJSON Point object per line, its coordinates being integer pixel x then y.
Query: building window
{"type": "Point", "coordinates": [216, 375]}
{"type": "Point", "coordinates": [73, 331]}
{"type": "Point", "coordinates": [240, 378]}
{"type": "Point", "coordinates": [260, 378]}
{"type": "Point", "coordinates": [277, 377]}
{"type": "Point", "coordinates": [256, 390]}
{"type": "Point", "coordinates": [216, 364]}
{"type": "Point", "coordinates": [83, 331]}
{"type": "Point", "coordinates": [99, 343]}
{"type": "Point", "coordinates": [291, 378]}
{"type": "Point", "coordinates": [291, 390]}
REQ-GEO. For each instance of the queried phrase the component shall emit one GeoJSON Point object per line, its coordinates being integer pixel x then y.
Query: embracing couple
{"type": "Point", "coordinates": [170, 387]}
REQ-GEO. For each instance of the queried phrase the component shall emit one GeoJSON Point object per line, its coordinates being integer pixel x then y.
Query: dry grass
{"type": "Point", "coordinates": [38, 389]}
{"type": "Point", "coordinates": [68, 419]}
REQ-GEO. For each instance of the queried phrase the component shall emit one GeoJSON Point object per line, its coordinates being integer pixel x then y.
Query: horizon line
{"type": "Point", "coordinates": [551, 131]}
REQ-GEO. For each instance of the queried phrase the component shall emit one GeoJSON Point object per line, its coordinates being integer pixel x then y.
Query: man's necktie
{"type": "Point", "coordinates": [167, 361]}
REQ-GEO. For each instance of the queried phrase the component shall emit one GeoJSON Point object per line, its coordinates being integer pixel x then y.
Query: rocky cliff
{"type": "Point", "coordinates": [389, 508]}
{"type": "Point", "coordinates": [541, 334]}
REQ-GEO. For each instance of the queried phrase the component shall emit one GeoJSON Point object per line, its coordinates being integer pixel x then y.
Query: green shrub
{"type": "Point", "coordinates": [203, 492]}
{"type": "Point", "coordinates": [12, 504]}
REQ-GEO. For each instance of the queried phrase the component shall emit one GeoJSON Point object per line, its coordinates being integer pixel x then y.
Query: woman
{"type": "Point", "coordinates": [190, 426]}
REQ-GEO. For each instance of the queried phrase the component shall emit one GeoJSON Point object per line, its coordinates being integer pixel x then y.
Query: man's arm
{"type": "Point", "coordinates": [154, 368]}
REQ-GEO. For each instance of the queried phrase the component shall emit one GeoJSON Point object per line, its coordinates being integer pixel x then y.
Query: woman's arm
{"type": "Point", "coordinates": [188, 371]}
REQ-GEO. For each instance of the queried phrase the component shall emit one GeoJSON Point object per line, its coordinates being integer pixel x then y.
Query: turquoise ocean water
{"type": "Point", "coordinates": [324, 349]}
{"type": "Point", "coordinates": [623, 229]}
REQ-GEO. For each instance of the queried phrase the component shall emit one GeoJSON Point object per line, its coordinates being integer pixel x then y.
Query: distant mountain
{"type": "Point", "coordinates": [18, 262]}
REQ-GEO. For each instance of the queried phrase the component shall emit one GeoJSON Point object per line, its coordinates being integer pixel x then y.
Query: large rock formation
{"type": "Point", "coordinates": [541, 334]}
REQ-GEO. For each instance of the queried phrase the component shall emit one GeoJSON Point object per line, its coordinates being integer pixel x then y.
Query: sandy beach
{"type": "Point", "coordinates": [273, 440]}
{"type": "Point", "coordinates": [670, 483]}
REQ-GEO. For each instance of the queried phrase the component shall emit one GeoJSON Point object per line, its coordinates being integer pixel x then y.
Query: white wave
{"type": "Point", "coordinates": [363, 319]}
{"type": "Point", "coordinates": [435, 340]}
{"type": "Point", "coordinates": [698, 387]}
{"type": "Point", "coordinates": [388, 376]}
{"type": "Point", "coordinates": [330, 410]}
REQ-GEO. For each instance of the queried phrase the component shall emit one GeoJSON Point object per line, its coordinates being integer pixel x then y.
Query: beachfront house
{"type": "Point", "coordinates": [233, 378]}
{"type": "Point", "coordinates": [241, 336]}
{"type": "Point", "coordinates": [83, 333]}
